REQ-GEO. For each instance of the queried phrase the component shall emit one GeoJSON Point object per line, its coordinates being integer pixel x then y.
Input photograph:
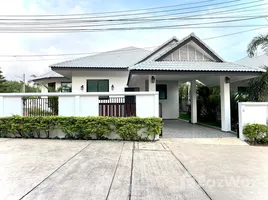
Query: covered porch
{"type": "Point", "coordinates": [166, 76]}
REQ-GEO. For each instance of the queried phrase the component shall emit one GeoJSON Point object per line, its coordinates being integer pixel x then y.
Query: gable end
{"type": "Point", "coordinates": [183, 55]}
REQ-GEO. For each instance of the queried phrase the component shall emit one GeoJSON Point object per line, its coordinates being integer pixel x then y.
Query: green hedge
{"type": "Point", "coordinates": [80, 127]}
{"type": "Point", "coordinates": [257, 133]}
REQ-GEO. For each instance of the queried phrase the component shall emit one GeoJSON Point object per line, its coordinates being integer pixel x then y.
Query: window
{"type": "Point", "coordinates": [162, 89]}
{"type": "Point", "coordinates": [51, 87]}
{"type": "Point", "coordinates": [66, 87]}
{"type": "Point", "coordinates": [97, 85]}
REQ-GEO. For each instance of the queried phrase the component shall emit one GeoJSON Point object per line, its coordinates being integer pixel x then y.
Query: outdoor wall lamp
{"type": "Point", "coordinates": [152, 79]}
{"type": "Point", "coordinates": [227, 79]}
{"type": "Point", "coordinates": [112, 87]}
{"type": "Point", "coordinates": [82, 87]}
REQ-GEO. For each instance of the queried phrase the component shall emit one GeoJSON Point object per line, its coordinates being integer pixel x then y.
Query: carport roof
{"type": "Point", "coordinates": [194, 66]}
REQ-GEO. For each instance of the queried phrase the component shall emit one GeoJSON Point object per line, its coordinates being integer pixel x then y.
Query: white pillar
{"type": "Point", "coordinates": [152, 83]}
{"type": "Point", "coordinates": [179, 84]}
{"type": "Point", "coordinates": [225, 105]}
{"type": "Point", "coordinates": [193, 102]}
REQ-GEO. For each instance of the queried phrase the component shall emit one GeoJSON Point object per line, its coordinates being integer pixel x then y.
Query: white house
{"type": "Point", "coordinates": [259, 61]}
{"type": "Point", "coordinates": [53, 80]}
{"type": "Point", "coordinates": [135, 69]}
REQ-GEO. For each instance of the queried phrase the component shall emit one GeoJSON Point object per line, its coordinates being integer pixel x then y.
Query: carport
{"type": "Point", "coordinates": [183, 129]}
{"type": "Point", "coordinates": [149, 75]}
{"type": "Point", "coordinates": [188, 60]}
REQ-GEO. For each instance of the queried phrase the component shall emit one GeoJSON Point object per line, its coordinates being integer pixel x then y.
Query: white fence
{"type": "Point", "coordinates": [145, 104]}
{"type": "Point", "coordinates": [250, 113]}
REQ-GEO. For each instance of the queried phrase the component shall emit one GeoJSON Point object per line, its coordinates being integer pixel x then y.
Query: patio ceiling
{"type": "Point", "coordinates": [183, 71]}
{"type": "Point", "coordinates": [209, 79]}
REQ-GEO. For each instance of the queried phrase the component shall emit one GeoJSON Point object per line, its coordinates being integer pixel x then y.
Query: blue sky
{"type": "Point", "coordinates": [230, 48]}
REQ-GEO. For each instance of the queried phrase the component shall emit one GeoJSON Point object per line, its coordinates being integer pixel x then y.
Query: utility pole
{"type": "Point", "coordinates": [24, 82]}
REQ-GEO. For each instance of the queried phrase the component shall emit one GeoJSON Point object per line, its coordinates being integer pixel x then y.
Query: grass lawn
{"type": "Point", "coordinates": [216, 124]}
{"type": "Point", "coordinates": [185, 116]}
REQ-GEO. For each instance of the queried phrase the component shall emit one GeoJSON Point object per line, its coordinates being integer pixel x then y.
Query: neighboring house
{"type": "Point", "coordinates": [257, 61]}
{"type": "Point", "coordinates": [174, 62]}
{"type": "Point", "coordinates": [54, 81]}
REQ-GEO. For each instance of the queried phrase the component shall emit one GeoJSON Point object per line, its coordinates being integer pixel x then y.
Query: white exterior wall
{"type": "Point", "coordinates": [170, 106]}
{"type": "Point", "coordinates": [118, 78]}
{"type": "Point", "coordinates": [57, 85]}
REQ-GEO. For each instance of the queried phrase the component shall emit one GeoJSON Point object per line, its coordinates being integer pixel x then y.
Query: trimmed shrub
{"type": "Point", "coordinates": [132, 128]}
{"type": "Point", "coordinates": [257, 133]}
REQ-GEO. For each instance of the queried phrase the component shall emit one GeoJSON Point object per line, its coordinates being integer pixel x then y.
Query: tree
{"type": "Point", "coordinates": [2, 81]}
{"type": "Point", "coordinates": [258, 87]}
{"type": "Point", "coordinates": [16, 87]}
{"type": "Point", "coordinates": [261, 40]}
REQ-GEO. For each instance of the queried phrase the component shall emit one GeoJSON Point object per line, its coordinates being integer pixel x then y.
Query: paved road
{"type": "Point", "coordinates": [168, 169]}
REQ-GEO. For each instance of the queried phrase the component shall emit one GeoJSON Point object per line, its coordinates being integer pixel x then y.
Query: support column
{"type": "Point", "coordinates": [193, 102]}
{"type": "Point", "coordinates": [152, 83]}
{"type": "Point", "coordinates": [179, 84]}
{"type": "Point", "coordinates": [225, 104]}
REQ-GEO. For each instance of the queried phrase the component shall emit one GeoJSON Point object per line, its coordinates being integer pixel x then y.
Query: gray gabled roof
{"type": "Point", "coordinates": [193, 66]}
{"type": "Point", "coordinates": [121, 58]}
{"type": "Point", "coordinates": [47, 75]}
{"type": "Point", "coordinates": [256, 61]}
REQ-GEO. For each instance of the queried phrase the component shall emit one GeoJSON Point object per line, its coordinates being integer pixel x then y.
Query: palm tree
{"type": "Point", "coordinates": [261, 40]}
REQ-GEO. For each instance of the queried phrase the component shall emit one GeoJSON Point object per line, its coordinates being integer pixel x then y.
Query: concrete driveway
{"type": "Point", "coordinates": [169, 169]}
{"type": "Point", "coordinates": [183, 129]}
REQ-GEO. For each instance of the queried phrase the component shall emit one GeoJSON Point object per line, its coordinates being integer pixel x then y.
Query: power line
{"type": "Point", "coordinates": [72, 30]}
{"type": "Point", "coordinates": [82, 26]}
{"type": "Point", "coordinates": [111, 52]}
{"type": "Point", "coordinates": [235, 33]}
{"type": "Point", "coordinates": [141, 21]}
{"type": "Point", "coordinates": [149, 13]}
{"type": "Point", "coordinates": [177, 26]}
{"type": "Point", "coordinates": [119, 11]}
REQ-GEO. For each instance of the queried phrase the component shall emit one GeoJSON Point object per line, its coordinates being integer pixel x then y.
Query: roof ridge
{"type": "Point", "coordinates": [157, 48]}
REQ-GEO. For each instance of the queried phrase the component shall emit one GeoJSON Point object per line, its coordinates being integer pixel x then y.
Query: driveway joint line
{"type": "Point", "coordinates": [151, 150]}
{"type": "Point", "coordinates": [55, 171]}
{"type": "Point", "coordinates": [116, 167]}
{"type": "Point", "coordinates": [163, 145]}
{"type": "Point", "coordinates": [189, 173]}
{"type": "Point", "coordinates": [131, 172]}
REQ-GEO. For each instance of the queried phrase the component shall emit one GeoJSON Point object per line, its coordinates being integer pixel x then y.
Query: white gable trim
{"type": "Point", "coordinates": [186, 38]}
{"type": "Point", "coordinates": [158, 48]}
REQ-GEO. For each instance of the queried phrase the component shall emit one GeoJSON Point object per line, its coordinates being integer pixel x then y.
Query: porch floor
{"type": "Point", "coordinates": [183, 129]}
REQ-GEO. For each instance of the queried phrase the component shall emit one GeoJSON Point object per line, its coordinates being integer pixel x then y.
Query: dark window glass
{"type": "Point", "coordinates": [103, 86]}
{"type": "Point", "coordinates": [51, 87]}
{"type": "Point", "coordinates": [66, 87]}
{"type": "Point", "coordinates": [97, 85]}
{"type": "Point", "coordinates": [162, 89]}
{"type": "Point", "coordinates": [92, 86]}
